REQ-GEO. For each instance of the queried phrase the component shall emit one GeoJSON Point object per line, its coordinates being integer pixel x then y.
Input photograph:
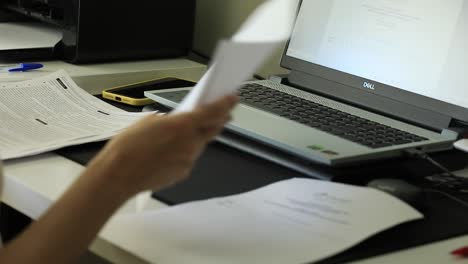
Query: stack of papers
{"type": "Point", "coordinates": [293, 221]}
{"type": "Point", "coordinates": [52, 112]}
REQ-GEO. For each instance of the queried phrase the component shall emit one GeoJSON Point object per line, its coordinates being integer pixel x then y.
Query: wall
{"type": "Point", "coordinates": [218, 19]}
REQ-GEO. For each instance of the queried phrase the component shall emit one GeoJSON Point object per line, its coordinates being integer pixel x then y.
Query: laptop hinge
{"type": "Point", "coordinates": [369, 101]}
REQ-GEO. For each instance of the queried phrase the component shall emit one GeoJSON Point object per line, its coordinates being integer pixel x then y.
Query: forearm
{"type": "Point", "coordinates": [65, 231]}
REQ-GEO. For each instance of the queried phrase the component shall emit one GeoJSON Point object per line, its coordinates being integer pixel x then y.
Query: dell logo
{"type": "Point", "coordinates": [369, 85]}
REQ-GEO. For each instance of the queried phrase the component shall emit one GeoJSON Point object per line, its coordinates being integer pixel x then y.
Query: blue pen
{"type": "Point", "coordinates": [21, 67]}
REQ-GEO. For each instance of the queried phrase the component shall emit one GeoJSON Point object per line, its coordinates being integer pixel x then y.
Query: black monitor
{"type": "Point", "coordinates": [98, 31]}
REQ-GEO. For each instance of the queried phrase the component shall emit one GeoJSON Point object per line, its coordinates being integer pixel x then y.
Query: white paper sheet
{"type": "Point", "coordinates": [52, 112]}
{"type": "Point", "coordinates": [30, 35]}
{"type": "Point", "coordinates": [293, 221]}
{"type": "Point", "coordinates": [236, 60]}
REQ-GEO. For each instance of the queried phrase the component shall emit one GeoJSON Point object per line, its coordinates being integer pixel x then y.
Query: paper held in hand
{"type": "Point", "coordinates": [237, 59]}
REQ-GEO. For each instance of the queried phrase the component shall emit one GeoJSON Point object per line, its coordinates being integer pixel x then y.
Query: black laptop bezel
{"type": "Point", "coordinates": [352, 86]}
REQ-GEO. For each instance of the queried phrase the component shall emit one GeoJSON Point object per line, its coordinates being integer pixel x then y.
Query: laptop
{"type": "Point", "coordinates": [368, 80]}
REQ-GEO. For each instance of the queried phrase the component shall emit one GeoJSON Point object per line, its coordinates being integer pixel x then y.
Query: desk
{"type": "Point", "coordinates": [96, 77]}
{"type": "Point", "coordinates": [33, 184]}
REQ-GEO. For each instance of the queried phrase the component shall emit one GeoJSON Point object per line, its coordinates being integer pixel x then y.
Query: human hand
{"type": "Point", "coordinates": [159, 151]}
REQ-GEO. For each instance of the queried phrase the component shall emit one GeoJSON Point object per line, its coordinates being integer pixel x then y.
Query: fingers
{"type": "Point", "coordinates": [206, 121]}
{"type": "Point", "coordinates": [213, 113]}
{"type": "Point", "coordinates": [211, 118]}
{"type": "Point", "coordinates": [209, 132]}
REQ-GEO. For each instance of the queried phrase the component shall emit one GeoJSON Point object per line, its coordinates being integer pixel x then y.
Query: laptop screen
{"type": "Point", "coordinates": [420, 46]}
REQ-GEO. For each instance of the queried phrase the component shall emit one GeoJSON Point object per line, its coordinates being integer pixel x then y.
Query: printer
{"type": "Point", "coordinates": [106, 30]}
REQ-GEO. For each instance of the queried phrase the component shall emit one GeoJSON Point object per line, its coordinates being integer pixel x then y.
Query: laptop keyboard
{"type": "Point", "coordinates": [338, 123]}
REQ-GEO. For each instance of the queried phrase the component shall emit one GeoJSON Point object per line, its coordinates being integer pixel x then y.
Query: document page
{"type": "Point", "coordinates": [51, 112]}
{"type": "Point", "coordinates": [293, 221]}
{"type": "Point", "coordinates": [27, 35]}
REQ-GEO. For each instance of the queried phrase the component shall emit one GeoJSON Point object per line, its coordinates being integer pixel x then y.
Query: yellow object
{"type": "Point", "coordinates": [133, 94]}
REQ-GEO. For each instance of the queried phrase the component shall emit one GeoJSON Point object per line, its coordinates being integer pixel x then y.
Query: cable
{"type": "Point", "coordinates": [447, 195]}
{"type": "Point", "coordinates": [422, 155]}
